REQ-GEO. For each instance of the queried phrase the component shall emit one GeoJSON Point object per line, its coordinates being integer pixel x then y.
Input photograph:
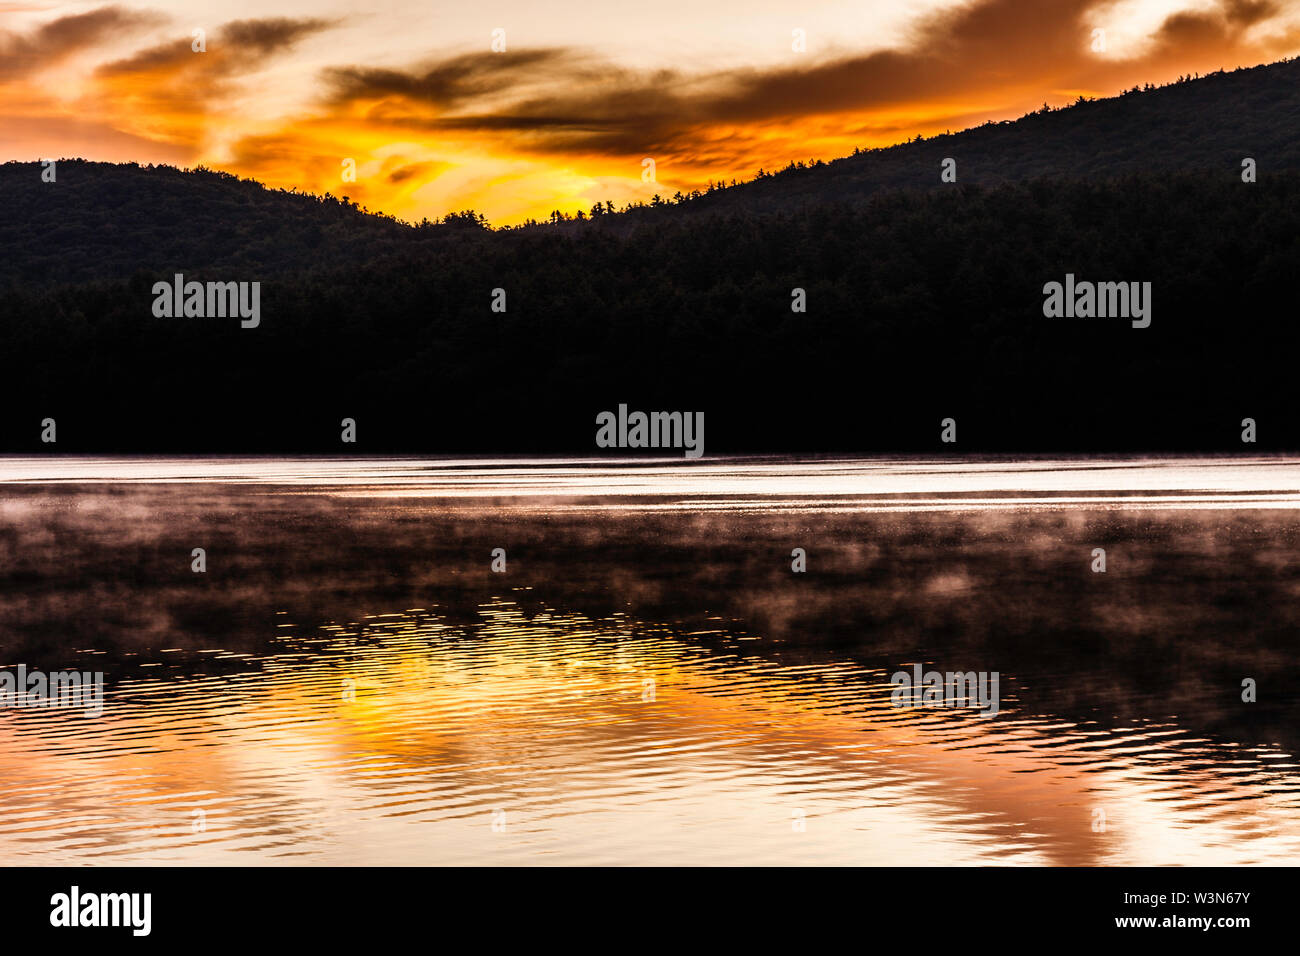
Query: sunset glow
{"type": "Point", "coordinates": [435, 120]}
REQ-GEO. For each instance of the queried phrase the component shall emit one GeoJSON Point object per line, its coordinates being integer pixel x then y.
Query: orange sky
{"type": "Point", "coordinates": [436, 120]}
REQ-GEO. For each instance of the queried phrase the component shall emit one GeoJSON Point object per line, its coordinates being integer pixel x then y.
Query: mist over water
{"type": "Point", "coordinates": [649, 682]}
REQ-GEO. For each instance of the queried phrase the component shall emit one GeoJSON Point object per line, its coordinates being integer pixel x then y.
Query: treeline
{"type": "Point", "coordinates": [1198, 123]}
{"type": "Point", "coordinates": [923, 300]}
{"type": "Point", "coordinates": [105, 220]}
{"type": "Point", "coordinates": [920, 306]}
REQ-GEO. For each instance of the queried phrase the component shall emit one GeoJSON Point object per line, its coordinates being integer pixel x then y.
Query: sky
{"type": "Point", "coordinates": [515, 108]}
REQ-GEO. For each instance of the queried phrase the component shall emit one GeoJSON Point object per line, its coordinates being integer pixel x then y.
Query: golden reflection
{"type": "Point", "coordinates": [395, 741]}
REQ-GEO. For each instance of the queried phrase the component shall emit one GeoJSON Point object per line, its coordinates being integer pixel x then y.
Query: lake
{"type": "Point", "coordinates": [644, 678]}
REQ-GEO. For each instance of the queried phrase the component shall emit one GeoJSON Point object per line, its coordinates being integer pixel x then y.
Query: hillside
{"type": "Point", "coordinates": [1210, 122]}
{"type": "Point", "coordinates": [921, 304]}
{"type": "Point", "coordinates": [102, 220]}
{"type": "Point", "coordinates": [105, 220]}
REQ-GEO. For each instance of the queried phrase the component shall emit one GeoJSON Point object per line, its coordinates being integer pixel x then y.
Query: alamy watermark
{"type": "Point", "coordinates": [651, 430]}
{"type": "Point", "coordinates": [133, 911]}
{"type": "Point", "coordinates": [22, 688]}
{"type": "Point", "coordinates": [199, 300]}
{"type": "Point", "coordinates": [946, 689]}
{"type": "Point", "coordinates": [1098, 300]}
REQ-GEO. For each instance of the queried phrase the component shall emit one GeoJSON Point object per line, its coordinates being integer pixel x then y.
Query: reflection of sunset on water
{"type": "Point", "coordinates": [650, 681]}
{"type": "Point", "coordinates": [545, 719]}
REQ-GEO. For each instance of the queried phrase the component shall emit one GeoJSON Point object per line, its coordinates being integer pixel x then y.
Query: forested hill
{"type": "Point", "coordinates": [102, 220]}
{"type": "Point", "coordinates": [108, 221]}
{"type": "Point", "coordinates": [919, 304]}
{"type": "Point", "coordinates": [1206, 123]}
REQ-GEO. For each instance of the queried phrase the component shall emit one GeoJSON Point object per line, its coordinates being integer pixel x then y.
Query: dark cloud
{"type": "Point", "coordinates": [453, 82]}
{"type": "Point", "coordinates": [21, 55]}
{"type": "Point", "coordinates": [238, 47]}
{"type": "Point", "coordinates": [261, 38]}
{"type": "Point", "coordinates": [1200, 31]}
{"type": "Point", "coordinates": [166, 58]}
{"type": "Point", "coordinates": [409, 171]}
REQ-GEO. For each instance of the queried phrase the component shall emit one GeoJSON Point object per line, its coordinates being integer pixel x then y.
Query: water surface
{"type": "Point", "coordinates": [648, 682]}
